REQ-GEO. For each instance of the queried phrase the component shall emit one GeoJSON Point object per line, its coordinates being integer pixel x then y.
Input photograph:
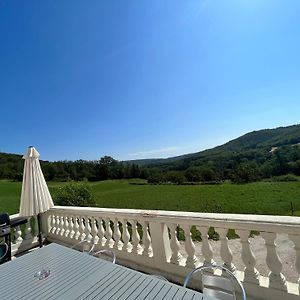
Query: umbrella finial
{"type": "Point", "coordinates": [31, 152]}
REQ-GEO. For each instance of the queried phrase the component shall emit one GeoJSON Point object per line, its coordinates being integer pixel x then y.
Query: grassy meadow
{"type": "Point", "coordinates": [254, 198]}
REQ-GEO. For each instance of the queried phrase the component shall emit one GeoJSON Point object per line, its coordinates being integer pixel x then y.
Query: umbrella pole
{"type": "Point", "coordinates": [40, 231]}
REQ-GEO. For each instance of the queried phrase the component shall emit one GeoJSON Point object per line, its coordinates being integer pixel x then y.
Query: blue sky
{"type": "Point", "coordinates": [140, 79]}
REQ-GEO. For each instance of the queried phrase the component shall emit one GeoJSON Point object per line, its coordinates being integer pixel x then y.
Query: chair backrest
{"type": "Point", "coordinates": [107, 252]}
{"type": "Point", "coordinates": [221, 287]}
{"type": "Point", "coordinates": [159, 277]}
{"type": "Point", "coordinates": [3, 252]}
{"type": "Point", "coordinates": [86, 246]}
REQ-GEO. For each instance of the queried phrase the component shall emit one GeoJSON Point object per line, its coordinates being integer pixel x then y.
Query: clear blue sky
{"type": "Point", "coordinates": [135, 79]}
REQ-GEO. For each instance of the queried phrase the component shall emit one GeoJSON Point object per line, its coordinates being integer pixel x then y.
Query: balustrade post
{"type": "Point", "coordinates": [94, 231]}
{"type": "Point", "coordinates": [108, 234]}
{"type": "Point", "coordinates": [71, 227]}
{"type": "Point", "coordinates": [62, 225]}
{"type": "Point", "coordinates": [135, 237]}
{"type": "Point", "coordinates": [276, 278]}
{"type": "Point", "coordinates": [101, 232]}
{"type": "Point", "coordinates": [206, 247]}
{"type": "Point", "coordinates": [28, 235]}
{"type": "Point", "coordinates": [77, 227]}
{"type": "Point", "coordinates": [127, 246]}
{"type": "Point", "coordinates": [18, 235]}
{"type": "Point", "coordinates": [225, 251]}
{"type": "Point", "coordinates": [117, 235]}
{"type": "Point", "coordinates": [160, 243]}
{"type": "Point", "coordinates": [147, 251]}
{"type": "Point", "coordinates": [67, 227]}
{"type": "Point", "coordinates": [57, 223]}
{"type": "Point", "coordinates": [87, 229]}
{"type": "Point", "coordinates": [53, 224]}
{"type": "Point", "coordinates": [191, 260]}
{"type": "Point", "coordinates": [296, 240]}
{"type": "Point", "coordinates": [175, 246]}
{"type": "Point", "coordinates": [81, 229]}
{"type": "Point", "coordinates": [251, 274]}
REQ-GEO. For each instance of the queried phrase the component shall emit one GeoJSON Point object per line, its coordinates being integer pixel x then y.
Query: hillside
{"type": "Point", "coordinates": [263, 139]}
{"type": "Point", "coordinates": [248, 156]}
{"type": "Point", "coordinates": [253, 156]}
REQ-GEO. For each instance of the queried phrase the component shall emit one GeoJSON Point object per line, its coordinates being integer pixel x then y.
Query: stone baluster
{"type": "Point", "coordinates": [57, 224]}
{"type": "Point", "coordinates": [108, 234]}
{"type": "Point", "coordinates": [77, 227]}
{"type": "Point", "coordinates": [53, 224]}
{"type": "Point", "coordinates": [117, 235]}
{"type": "Point", "coordinates": [296, 240]}
{"type": "Point", "coordinates": [18, 234]}
{"type": "Point", "coordinates": [135, 238]}
{"type": "Point", "coordinates": [81, 229]}
{"type": "Point", "coordinates": [87, 229]}
{"type": "Point", "coordinates": [94, 231]}
{"type": "Point", "coordinates": [276, 278]}
{"type": "Point", "coordinates": [28, 235]}
{"type": "Point", "coordinates": [36, 226]}
{"type": "Point", "coordinates": [251, 274]}
{"type": "Point", "coordinates": [101, 232]}
{"type": "Point", "coordinates": [206, 247]}
{"type": "Point", "coordinates": [62, 226]}
{"type": "Point", "coordinates": [225, 251]}
{"type": "Point", "coordinates": [71, 227]}
{"type": "Point", "coordinates": [174, 244]}
{"type": "Point", "coordinates": [147, 251]}
{"type": "Point", "coordinates": [191, 261]}
{"type": "Point", "coordinates": [67, 227]}
{"type": "Point", "coordinates": [127, 246]}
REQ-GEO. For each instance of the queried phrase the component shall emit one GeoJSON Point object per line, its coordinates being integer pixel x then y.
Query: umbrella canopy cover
{"type": "Point", "coordinates": [35, 196]}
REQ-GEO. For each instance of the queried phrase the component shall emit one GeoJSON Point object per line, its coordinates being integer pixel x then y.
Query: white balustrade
{"type": "Point", "coordinates": [28, 235]}
{"type": "Point", "coordinates": [23, 238]}
{"type": "Point", "coordinates": [206, 247]}
{"type": "Point", "coordinates": [175, 246]}
{"type": "Point", "coordinates": [159, 248]}
{"type": "Point", "coordinates": [117, 235]}
{"type": "Point", "coordinates": [127, 246]}
{"type": "Point", "coordinates": [147, 251]}
{"type": "Point", "coordinates": [108, 234]}
{"type": "Point", "coordinates": [191, 260]}
{"type": "Point", "coordinates": [276, 279]}
{"type": "Point", "coordinates": [225, 251]}
{"type": "Point", "coordinates": [101, 232]}
{"type": "Point", "coordinates": [251, 274]}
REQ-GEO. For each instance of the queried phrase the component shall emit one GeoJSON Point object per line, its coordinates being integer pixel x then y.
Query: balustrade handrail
{"type": "Point", "coordinates": [268, 223]}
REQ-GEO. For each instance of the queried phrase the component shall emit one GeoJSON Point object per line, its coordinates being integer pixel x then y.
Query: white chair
{"type": "Point", "coordinates": [87, 247]}
{"type": "Point", "coordinates": [107, 252]}
{"type": "Point", "coordinates": [221, 287]}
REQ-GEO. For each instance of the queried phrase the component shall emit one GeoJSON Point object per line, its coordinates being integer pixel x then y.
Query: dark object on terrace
{"type": "Point", "coordinates": [5, 246]}
{"type": "Point", "coordinates": [5, 228]}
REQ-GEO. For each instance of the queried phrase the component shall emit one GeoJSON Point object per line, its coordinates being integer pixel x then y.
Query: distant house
{"type": "Point", "coordinates": [273, 149]}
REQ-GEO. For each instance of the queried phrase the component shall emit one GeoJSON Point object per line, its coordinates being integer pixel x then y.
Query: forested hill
{"type": "Point", "coordinates": [253, 156]}
{"type": "Point", "coordinates": [264, 139]}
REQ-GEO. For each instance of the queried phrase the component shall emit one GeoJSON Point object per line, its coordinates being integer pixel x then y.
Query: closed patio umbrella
{"type": "Point", "coordinates": [35, 196]}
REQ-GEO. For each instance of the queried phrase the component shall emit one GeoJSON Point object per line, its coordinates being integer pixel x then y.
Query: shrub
{"type": "Point", "coordinates": [74, 194]}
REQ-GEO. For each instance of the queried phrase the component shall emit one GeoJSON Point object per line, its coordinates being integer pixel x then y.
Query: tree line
{"type": "Point", "coordinates": [239, 167]}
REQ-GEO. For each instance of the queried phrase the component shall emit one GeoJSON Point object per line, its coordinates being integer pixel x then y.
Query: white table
{"type": "Point", "coordinates": [76, 275]}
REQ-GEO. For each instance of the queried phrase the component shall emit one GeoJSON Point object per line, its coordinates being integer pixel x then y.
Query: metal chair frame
{"type": "Point", "coordinates": [159, 277]}
{"type": "Point", "coordinates": [228, 272]}
{"type": "Point", "coordinates": [84, 241]}
{"type": "Point", "coordinates": [106, 252]}
{"type": "Point", "coordinates": [6, 250]}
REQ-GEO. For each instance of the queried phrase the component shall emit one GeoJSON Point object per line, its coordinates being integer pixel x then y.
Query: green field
{"type": "Point", "coordinates": [253, 198]}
